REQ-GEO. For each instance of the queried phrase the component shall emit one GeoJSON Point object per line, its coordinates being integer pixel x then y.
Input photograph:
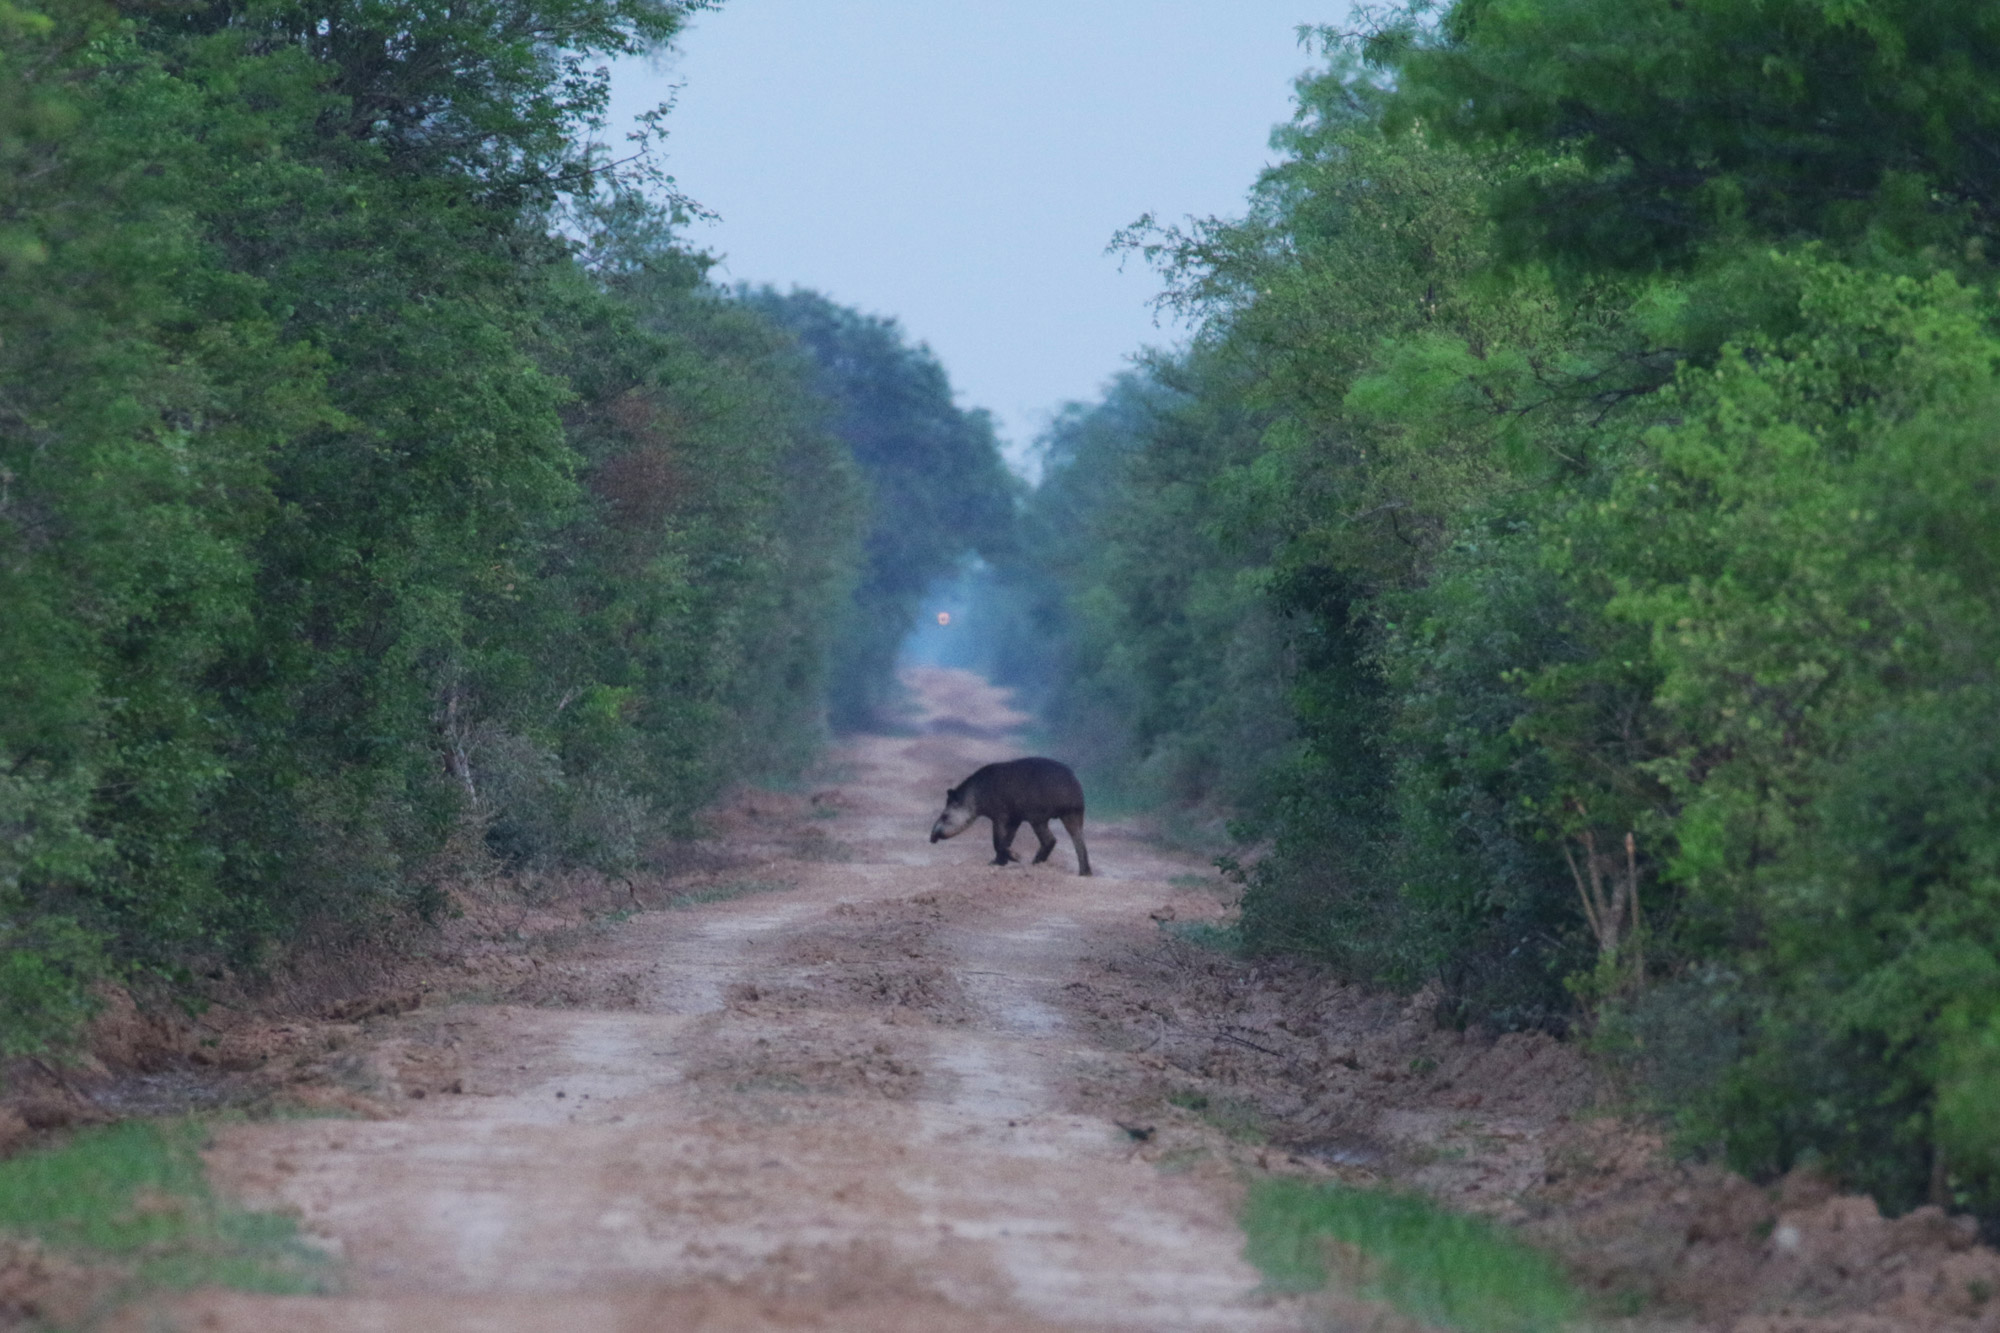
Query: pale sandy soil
{"type": "Point", "coordinates": [877, 1084]}
{"type": "Point", "coordinates": [855, 1102]}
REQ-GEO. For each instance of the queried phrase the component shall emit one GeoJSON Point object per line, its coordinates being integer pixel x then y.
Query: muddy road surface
{"type": "Point", "coordinates": [847, 1094]}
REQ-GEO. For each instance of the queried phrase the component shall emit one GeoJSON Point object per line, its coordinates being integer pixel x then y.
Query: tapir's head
{"type": "Point", "coordinates": [957, 817]}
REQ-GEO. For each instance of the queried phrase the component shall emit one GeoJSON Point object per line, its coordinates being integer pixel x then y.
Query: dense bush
{"type": "Point", "coordinates": [1570, 546]}
{"type": "Point", "coordinates": [348, 502]}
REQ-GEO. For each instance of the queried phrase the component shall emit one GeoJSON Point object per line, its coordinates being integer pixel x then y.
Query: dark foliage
{"type": "Point", "coordinates": [349, 512]}
{"type": "Point", "coordinates": [1568, 550]}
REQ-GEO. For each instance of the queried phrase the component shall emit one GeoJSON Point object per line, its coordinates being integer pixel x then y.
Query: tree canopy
{"type": "Point", "coordinates": [381, 484]}
{"type": "Point", "coordinates": [1567, 542]}
{"type": "Point", "coordinates": [938, 489]}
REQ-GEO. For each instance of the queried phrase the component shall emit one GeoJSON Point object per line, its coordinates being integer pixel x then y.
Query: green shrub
{"type": "Point", "coordinates": [1588, 465]}
{"type": "Point", "coordinates": [335, 470]}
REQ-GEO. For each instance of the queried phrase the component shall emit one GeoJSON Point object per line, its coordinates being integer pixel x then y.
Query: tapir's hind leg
{"type": "Point", "coordinates": [1074, 823]}
{"type": "Point", "coordinates": [1044, 837]}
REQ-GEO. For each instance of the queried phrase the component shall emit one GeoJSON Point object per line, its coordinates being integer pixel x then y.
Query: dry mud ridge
{"type": "Point", "coordinates": [876, 1084]}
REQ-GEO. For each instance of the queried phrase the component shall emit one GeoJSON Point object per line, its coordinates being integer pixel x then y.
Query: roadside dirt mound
{"type": "Point", "coordinates": [1797, 1257]}
{"type": "Point", "coordinates": [1306, 1075]}
{"type": "Point", "coordinates": [1339, 1074]}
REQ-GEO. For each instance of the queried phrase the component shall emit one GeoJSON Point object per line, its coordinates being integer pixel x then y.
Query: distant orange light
{"type": "Point", "coordinates": [944, 617]}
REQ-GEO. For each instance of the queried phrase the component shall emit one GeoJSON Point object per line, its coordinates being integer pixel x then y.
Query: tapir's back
{"type": "Point", "coordinates": [1033, 788]}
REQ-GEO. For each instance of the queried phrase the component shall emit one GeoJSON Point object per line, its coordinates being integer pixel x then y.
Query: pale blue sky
{"type": "Point", "coordinates": [962, 164]}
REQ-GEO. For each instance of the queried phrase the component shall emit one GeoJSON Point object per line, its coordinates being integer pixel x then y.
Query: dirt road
{"type": "Point", "coordinates": [850, 1099]}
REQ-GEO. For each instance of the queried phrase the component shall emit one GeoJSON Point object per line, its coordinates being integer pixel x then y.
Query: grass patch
{"type": "Point", "coordinates": [1445, 1268]}
{"type": "Point", "coordinates": [722, 893]}
{"type": "Point", "coordinates": [135, 1195]}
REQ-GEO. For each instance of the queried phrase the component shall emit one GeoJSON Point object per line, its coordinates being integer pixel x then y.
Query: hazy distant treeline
{"type": "Point", "coordinates": [1572, 547]}
{"type": "Point", "coordinates": [938, 490]}
{"type": "Point", "coordinates": [382, 485]}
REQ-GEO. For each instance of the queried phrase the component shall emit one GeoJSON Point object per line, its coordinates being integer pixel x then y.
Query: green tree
{"type": "Point", "coordinates": [1656, 131]}
{"type": "Point", "coordinates": [142, 384]}
{"type": "Point", "coordinates": [938, 489]}
{"type": "Point", "coordinates": [1598, 400]}
{"type": "Point", "coordinates": [347, 504]}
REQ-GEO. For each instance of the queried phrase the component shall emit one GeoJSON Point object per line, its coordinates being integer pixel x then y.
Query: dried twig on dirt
{"type": "Point", "coordinates": [1245, 1041]}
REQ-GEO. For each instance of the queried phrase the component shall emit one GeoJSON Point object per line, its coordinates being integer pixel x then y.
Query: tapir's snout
{"type": "Point", "coordinates": [954, 821]}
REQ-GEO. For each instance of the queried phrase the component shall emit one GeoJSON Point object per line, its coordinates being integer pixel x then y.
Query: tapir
{"type": "Point", "coordinates": [1020, 791]}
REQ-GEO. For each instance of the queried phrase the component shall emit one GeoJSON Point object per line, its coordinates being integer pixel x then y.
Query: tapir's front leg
{"type": "Point", "coordinates": [1003, 840]}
